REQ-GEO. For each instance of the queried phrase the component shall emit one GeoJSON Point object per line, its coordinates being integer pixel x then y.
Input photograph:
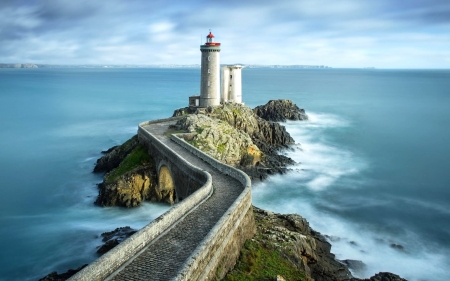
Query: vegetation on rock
{"type": "Point", "coordinates": [115, 155]}
{"type": "Point", "coordinates": [233, 134]}
{"type": "Point", "coordinates": [218, 139]}
{"type": "Point", "coordinates": [138, 157]}
{"type": "Point", "coordinates": [258, 261]}
{"type": "Point", "coordinates": [130, 177]}
{"type": "Point", "coordinates": [285, 245]}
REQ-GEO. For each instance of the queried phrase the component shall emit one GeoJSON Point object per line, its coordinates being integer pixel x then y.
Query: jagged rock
{"type": "Point", "coordinates": [130, 189]}
{"type": "Point", "coordinates": [54, 276]}
{"type": "Point", "coordinates": [115, 155]}
{"type": "Point", "coordinates": [184, 111]}
{"type": "Point", "coordinates": [114, 238]}
{"type": "Point", "coordinates": [397, 247]}
{"type": "Point", "coordinates": [280, 111]}
{"type": "Point", "coordinates": [268, 137]}
{"type": "Point", "coordinates": [382, 276]}
{"type": "Point", "coordinates": [111, 239]}
{"type": "Point", "coordinates": [218, 139]}
{"type": "Point", "coordinates": [305, 248]}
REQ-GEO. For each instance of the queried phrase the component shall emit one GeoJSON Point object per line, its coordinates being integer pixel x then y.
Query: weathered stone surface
{"type": "Point", "coordinates": [231, 144]}
{"type": "Point", "coordinates": [241, 117]}
{"type": "Point", "coordinates": [115, 155]}
{"type": "Point", "coordinates": [184, 111]}
{"type": "Point", "coordinates": [130, 189]}
{"type": "Point", "coordinates": [305, 248]}
{"type": "Point", "coordinates": [114, 238]}
{"type": "Point", "coordinates": [218, 139]}
{"type": "Point", "coordinates": [280, 111]}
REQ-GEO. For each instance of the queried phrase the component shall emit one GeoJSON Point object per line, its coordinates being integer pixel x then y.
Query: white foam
{"type": "Point", "coordinates": [324, 167]}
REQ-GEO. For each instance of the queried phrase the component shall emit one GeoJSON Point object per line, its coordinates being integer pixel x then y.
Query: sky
{"type": "Point", "coordinates": [344, 33]}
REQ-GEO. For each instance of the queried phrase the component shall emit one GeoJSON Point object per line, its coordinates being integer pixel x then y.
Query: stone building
{"type": "Point", "coordinates": [210, 86]}
{"type": "Point", "coordinates": [232, 83]}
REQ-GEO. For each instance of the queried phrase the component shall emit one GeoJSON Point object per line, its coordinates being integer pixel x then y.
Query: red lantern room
{"type": "Point", "coordinates": [210, 40]}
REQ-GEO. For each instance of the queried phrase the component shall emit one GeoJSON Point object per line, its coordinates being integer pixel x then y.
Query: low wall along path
{"type": "Point", "coordinates": [197, 239]}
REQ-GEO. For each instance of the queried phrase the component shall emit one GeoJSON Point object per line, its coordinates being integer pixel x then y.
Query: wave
{"type": "Point", "coordinates": [320, 189]}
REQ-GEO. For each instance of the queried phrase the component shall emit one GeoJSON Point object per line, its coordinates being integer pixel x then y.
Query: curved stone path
{"type": "Point", "coordinates": [163, 258]}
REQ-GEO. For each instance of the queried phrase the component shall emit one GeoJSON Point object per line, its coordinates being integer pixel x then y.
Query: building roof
{"type": "Point", "coordinates": [210, 35]}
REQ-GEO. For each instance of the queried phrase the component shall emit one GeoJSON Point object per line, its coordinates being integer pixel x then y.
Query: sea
{"type": "Point", "coordinates": [372, 172]}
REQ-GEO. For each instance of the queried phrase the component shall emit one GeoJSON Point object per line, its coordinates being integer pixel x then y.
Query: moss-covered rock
{"type": "Point", "coordinates": [218, 139]}
{"type": "Point", "coordinates": [132, 182]}
{"type": "Point", "coordinates": [285, 245]}
{"type": "Point", "coordinates": [115, 155]}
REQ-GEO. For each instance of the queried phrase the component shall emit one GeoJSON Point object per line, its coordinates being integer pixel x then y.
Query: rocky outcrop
{"type": "Point", "coordinates": [115, 155]}
{"type": "Point", "coordinates": [258, 158]}
{"type": "Point", "coordinates": [382, 276]}
{"type": "Point", "coordinates": [54, 276]}
{"type": "Point", "coordinates": [184, 111]}
{"type": "Point", "coordinates": [218, 139]}
{"type": "Point", "coordinates": [280, 111]}
{"type": "Point", "coordinates": [303, 254]}
{"type": "Point", "coordinates": [110, 239]}
{"type": "Point", "coordinates": [307, 249]}
{"type": "Point", "coordinates": [131, 178]}
{"type": "Point", "coordinates": [114, 238]}
{"type": "Point", "coordinates": [130, 189]}
{"type": "Point", "coordinates": [241, 117]}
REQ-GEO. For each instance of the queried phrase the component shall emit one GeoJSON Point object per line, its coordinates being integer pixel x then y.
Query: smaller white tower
{"type": "Point", "coordinates": [232, 83]}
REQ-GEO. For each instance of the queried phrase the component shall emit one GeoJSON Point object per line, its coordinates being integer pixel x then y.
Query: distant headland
{"type": "Point", "coordinates": [30, 65]}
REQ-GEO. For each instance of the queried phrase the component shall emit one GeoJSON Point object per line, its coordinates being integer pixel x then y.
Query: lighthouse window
{"type": "Point", "coordinates": [209, 70]}
{"type": "Point", "coordinates": [209, 58]}
{"type": "Point", "coordinates": [231, 76]}
{"type": "Point", "coordinates": [209, 83]}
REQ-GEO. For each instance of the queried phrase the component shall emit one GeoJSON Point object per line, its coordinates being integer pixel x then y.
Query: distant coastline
{"type": "Point", "coordinates": [30, 65]}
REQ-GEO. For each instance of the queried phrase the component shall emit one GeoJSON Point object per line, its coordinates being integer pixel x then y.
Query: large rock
{"type": "Point", "coordinates": [130, 189]}
{"type": "Point", "coordinates": [382, 276]}
{"type": "Point", "coordinates": [218, 139]}
{"type": "Point", "coordinates": [268, 136]}
{"type": "Point", "coordinates": [114, 238]}
{"type": "Point", "coordinates": [280, 111]}
{"type": "Point", "coordinates": [133, 180]}
{"type": "Point", "coordinates": [303, 247]}
{"type": "Point", "coordinates": [115, 155]}
{"type": "Point", "coordinates": [54, 276]}
{"type": "Point", "coordinates": [251, 143]}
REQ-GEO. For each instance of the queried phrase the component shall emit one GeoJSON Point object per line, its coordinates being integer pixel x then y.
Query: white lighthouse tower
{"type": "Point", "coordinates": [210, 72]}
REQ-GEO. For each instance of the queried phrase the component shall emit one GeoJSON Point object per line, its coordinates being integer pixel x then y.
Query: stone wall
{"type": "Point", "coordinates": [112, 260]}
{"type": "Point", "coordinates": [219, 251]}
{"type": "Point", "coordinates": [186, 179]}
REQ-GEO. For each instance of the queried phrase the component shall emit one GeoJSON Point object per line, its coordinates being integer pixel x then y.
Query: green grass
{"type": "Point", "coordinates": [257, 262]}
{"type": "Point", "coordinates": [199, 130]}
{"type": "Point", "coordinates": [138, 157]}
{"type": "Point", "coordinates": [221, 148]}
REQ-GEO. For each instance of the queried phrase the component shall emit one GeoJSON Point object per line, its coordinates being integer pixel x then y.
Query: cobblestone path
{"type": "Point", "coordinates": [162, 259]}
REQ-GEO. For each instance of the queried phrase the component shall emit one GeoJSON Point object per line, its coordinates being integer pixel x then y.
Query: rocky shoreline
{"type": "Point", "coordinates": [251, 140]}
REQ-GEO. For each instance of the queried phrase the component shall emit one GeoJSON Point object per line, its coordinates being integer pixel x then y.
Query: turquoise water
{"type": "Point", "coordinates": [373, 172]}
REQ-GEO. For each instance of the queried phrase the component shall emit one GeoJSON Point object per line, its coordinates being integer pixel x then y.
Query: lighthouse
{"type": "Point", "coordinates": [210, 72]}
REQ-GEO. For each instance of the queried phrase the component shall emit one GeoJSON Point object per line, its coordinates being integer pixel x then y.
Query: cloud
{"type": "Point", "coordinates": [346, 33]}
